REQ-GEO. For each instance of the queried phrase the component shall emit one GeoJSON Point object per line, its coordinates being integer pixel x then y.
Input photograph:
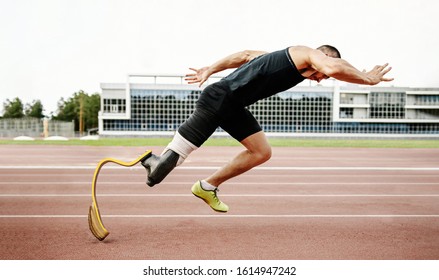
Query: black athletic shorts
{"type": "Point", "coordinates": [216, 109]}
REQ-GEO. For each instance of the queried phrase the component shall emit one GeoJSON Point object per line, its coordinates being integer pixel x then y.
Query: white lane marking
{"type": "Point", "coordinates": [374, 168]}
{"type": "Point", "coordinates": [226, 216]}
{"type": "Point", "coordinates": [223, 195]}
{"type": "Point", "coordinates": [190, 183]}
{"type": "Point", "coordinates": [252, 175]}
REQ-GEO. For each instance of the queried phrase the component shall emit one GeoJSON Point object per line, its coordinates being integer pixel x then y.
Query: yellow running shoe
{"type": "Point", "coordinates": [209, 197]}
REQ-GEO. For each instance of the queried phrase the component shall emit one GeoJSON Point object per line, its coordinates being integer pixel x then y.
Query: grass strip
{"type": "Point", "coordinates": [275, 142]}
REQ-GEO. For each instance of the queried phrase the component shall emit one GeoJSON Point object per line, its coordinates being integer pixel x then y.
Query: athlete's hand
{"type": "Point", "coordinates": [376, 75]}
{"type": "Point", "coordinates": [200, 76]}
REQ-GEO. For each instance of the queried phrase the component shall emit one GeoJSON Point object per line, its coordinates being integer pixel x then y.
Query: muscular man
{"type": "Point", "coordinates": [223, 104]}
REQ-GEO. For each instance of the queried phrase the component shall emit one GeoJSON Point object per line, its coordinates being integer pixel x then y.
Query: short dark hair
{"type": "Point", "coordinates": [330, 49]}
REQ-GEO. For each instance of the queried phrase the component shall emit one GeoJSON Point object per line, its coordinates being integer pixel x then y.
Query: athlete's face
{"type": "Point", "coordinates": [317, 76]}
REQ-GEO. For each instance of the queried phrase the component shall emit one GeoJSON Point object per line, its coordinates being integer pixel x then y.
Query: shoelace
{"type": "Point", "coordinates": [215, 191]}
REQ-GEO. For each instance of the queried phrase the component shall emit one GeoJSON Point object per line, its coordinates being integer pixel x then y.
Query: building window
{"type": "Point", "coordinates": [115, 106]}
{"type": "Point", "coordinates": [346, 98]}
{"type": "Point", "coordinates": [427, 100]}
{"type": "Point", "coordinates": [307, 111]}
{"type": "Point", "coordinates": [346, 113]}
{"type": "Point", "coordinates": [385, 105]}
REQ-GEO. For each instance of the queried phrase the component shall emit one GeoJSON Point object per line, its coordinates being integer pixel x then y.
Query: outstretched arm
{"type": "Point", "coordinates": [232, 61]}
{"type": "Point", "coordinates": [342, 70]}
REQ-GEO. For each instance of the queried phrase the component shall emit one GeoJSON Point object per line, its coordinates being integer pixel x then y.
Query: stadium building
{"type": "Point", "coordinates": [155, 105]}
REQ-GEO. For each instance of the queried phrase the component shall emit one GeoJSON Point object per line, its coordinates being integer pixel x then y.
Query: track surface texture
{"type": "Point", "coordinates": [305, 203]}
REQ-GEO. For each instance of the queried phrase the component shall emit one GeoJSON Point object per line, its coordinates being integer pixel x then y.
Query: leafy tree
{"type": "Point", "coordinates": [66, 110]}
{"type": "Point", "coordinates": [91, 107]}
{"type": "Point", "coordinates": [70, 110]}
{"type": "Point", "coordinates": [13, 109]}
{"type": "Point", "coordinates": [34, 110]}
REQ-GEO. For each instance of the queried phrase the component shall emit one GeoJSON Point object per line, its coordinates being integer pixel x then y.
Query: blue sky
{"type": "Point", "coordinates": [52, 48]}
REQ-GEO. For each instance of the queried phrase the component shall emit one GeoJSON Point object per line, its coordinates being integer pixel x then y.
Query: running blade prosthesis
{"type": "Point", "coordinates": [95, 223]}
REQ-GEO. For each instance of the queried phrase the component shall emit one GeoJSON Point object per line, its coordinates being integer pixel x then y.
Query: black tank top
{"type": "Point", "coordinates": [262, 77]}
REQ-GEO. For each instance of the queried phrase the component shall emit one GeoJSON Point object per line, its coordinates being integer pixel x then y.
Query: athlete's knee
{"type": "Point", "coordinates": [265, 153]}
{"type": "Point", "coordinates": [262, 154]}
{"type": "Point", "coordinates": [181, 146]}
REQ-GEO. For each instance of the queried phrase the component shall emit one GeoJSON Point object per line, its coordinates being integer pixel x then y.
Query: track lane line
{"type": "Point", "coordinates": [229, 183]}
{"type": "Point", "coordinates": [223, 195]}
{"type": "Point", "coordinates": [230, 216]}
{"type": "Point", "coordinates": [281, 168]}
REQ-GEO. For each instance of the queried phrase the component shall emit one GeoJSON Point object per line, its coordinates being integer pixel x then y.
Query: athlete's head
{"type": "Point", "coordinates": [329, 51]}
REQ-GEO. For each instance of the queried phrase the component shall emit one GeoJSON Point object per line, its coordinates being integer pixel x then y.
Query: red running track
{"type": "Point", "coordinates": [305, 203]}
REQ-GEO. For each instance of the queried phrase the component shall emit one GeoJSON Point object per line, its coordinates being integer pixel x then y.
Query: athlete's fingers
{"type": "Point", "coordinates": [387, 79]}
{"type": "Point", "coordinates": [377, 68]}
{"type": "Point", "coordinates": [384, 66]}
{"type": "Point", "coordinates": [188, 78]}
{"type": "Point", "coordinates": [380, 68]}
{"type": "Point", "coordinates": [385, 71]}
{"type": "Point", "coordinates": [192, 74]}
{"type": "Point", "coordinates": [191, 77]}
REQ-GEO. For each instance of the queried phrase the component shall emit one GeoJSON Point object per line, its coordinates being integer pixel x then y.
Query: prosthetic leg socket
{"type": "Point", "coordinates": [158, 167]}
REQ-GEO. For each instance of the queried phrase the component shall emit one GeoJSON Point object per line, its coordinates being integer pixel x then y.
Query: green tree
{"type": "Point", "coordinates": [13, 109]}
{"type": "Point", "coordinates": [92, 105]}
{"type": "Point", "coordinates": [34, 110]}
{"type": "Point", "coordinates": [83, 105]}
{"type": "Point", "coordinates": [66, 110]}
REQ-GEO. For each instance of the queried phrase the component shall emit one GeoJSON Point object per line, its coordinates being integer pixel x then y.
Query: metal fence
{"type": "Point", "coordinates": [33, 127]}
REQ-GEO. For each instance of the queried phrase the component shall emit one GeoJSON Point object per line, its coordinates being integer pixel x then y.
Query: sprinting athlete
{"type": "Point", "coordinates": [223, 104]}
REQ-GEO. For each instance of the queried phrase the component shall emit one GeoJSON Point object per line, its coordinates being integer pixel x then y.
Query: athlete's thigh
{"type": "Point", "coordinates": [241, 124]}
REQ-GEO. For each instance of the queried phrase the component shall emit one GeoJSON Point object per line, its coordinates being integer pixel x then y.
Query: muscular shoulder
{"type": "Point", "coordinates": [252, 54]}
{"type": "Point", "coordinates": [301, 56]}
